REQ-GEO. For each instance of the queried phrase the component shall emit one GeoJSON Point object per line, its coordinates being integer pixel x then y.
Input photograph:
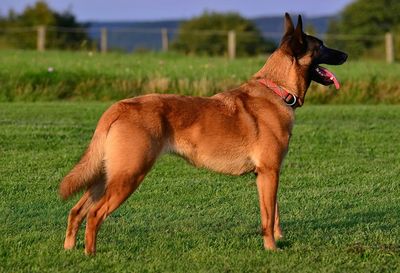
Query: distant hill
{"type": "Point", "coordinates": [131, 36]}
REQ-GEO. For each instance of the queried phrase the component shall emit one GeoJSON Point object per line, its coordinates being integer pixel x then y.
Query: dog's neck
{"type": "Point", "coordinates": [286, 72]}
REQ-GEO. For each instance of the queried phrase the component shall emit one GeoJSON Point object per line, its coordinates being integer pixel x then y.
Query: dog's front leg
{"type": "Point", "coordinates": [277, 228]}
{"type": "Point", "coordinates": [267, 185]}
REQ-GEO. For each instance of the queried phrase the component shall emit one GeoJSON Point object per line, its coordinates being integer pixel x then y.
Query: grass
{"type": "Point", "coordinates": [339, 194]}
{"type": "Point", "coordinates": [78, 76]}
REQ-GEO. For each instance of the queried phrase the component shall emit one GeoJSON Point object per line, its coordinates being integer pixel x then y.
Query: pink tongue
{"type": "Point", "coordinates": [331, 76]}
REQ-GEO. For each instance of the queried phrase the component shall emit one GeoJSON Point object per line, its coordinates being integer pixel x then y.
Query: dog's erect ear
{"type": "Point", "coordinates": [298, 32]}
{"type": "Point", "coordinates": [293, 41]}
{"type": "Point", "coordinates": [289, 28]}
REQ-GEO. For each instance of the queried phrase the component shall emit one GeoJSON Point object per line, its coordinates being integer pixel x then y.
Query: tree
{"type": "Point", "coordinates": [207, 34]}
{"type": "Point", "coordinates": [40, 14]}
{"type": "Point", "coordinates": [365, 18]}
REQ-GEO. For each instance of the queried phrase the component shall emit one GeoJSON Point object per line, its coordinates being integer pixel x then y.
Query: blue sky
{"type": "Point", "coordinates": [134, 10]}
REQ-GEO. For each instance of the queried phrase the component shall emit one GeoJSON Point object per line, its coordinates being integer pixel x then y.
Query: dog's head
{"type": "Point", "coordinates": [309, 52]}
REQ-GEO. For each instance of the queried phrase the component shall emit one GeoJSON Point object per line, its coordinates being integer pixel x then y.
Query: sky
{"type": "Point", "coordinates": [152, 10]}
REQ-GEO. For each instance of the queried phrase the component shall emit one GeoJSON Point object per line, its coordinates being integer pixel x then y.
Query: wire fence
{"type": "Point", "coordinates": [162, 39]}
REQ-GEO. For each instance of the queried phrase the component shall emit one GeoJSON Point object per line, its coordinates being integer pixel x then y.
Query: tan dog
{"type": "Point", "coordinates": [235, 132]}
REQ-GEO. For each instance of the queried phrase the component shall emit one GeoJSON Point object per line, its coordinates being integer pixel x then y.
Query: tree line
{"type": "Point", "coordinates": [366, 22]}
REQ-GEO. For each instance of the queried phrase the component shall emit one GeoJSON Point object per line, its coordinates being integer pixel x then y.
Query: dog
{"type": "Point", "coordinates": [243, 130]}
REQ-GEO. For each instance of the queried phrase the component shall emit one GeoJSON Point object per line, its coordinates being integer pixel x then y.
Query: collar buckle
{"type": "Point", "coordinates": [292, 102]}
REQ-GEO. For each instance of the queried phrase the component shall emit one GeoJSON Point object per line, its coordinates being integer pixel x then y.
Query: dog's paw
{"type": "Point", "coordinates": [69, 243]}
{"type": "Point", "coordinates": [278, 236]}
{"type": "Point", "coordinates": [269, 244]}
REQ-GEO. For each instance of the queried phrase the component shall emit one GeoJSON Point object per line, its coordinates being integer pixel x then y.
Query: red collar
{"type": "Point", "coordinates": [290, 99]}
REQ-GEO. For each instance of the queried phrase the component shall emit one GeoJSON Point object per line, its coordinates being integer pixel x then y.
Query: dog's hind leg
{"type": "Point", "coordinates": [130, 153]}
{"type": "Point", "coordinates": [120, 188]}
{"type": "Point", "coordinates": [74, 222]}
{"type": "Point", "coordinates": [79, 211]}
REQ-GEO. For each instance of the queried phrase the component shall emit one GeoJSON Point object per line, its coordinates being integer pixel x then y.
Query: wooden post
{"type": "Point", "coordinates": [103, 40]}
{"type": "Point", "coordinates": [231, 44]}
{"type": "Point", "coordinates": [389, 48]}
{"type": "Point", "coordinates": [164, 39]}
{"type": "Point", "coordinates": [41, 38]}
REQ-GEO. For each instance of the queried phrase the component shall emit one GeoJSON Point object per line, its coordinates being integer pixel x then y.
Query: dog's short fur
{"type": "Point", "coordinates": [235, 132]}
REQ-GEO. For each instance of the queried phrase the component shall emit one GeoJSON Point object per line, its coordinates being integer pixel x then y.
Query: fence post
{"type": "Point", "coordinates": [389, 48]}
{"type": "Point", "coordinates": [231, 44]}
{"type": "Point", "coordinates": [164, 39]}
{"type": "Point", "coordinates": [41, 38]}
{"type": "Point", "coordinates": [103, 40]}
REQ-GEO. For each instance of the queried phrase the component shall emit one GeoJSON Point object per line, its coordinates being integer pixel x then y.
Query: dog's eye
{"type": "Point", "coordinates": [318, 49]}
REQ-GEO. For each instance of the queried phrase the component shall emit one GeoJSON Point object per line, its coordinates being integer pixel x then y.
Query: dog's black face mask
{"type": "Point", "coordinates": [311, 52]}
{"type": "Point", "coordinates": [324, 55]}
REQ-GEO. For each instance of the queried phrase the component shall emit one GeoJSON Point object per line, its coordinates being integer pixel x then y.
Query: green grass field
{"type": "Point", "coordinates": [339, 194]}
{"type": "Point", "coordinates": [82, 76]}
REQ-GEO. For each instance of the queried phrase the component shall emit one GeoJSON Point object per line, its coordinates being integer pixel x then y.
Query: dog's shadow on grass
{"type": "Point", "coordinates": [284, 244]}
{"type": "Point", "coordinates": [349, 224]}
{"type": "Point", "coordinates": [351, 220]}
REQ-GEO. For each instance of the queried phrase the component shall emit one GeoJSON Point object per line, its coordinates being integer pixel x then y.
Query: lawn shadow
{"type": "Point", "coordinates": [350, 220]}
{"type": "Point", "coordinates": [284, 244]}
{"type": "Point", "coordinates": [347, 223]}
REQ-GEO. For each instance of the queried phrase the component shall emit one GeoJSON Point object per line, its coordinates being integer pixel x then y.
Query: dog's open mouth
{"type": "Point", "coordinates": [324, 76]}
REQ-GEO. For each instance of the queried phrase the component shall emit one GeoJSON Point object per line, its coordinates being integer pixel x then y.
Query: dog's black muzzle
{"type": "Point", "coordinates": [330, 56]}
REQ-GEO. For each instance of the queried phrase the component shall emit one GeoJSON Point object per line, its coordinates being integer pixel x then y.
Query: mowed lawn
{"type": "Point", "coordinates": [339, 195]}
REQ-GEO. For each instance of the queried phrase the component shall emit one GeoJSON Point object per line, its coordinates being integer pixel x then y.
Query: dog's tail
{"type": "Point", "coordinates": [90, 165]}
